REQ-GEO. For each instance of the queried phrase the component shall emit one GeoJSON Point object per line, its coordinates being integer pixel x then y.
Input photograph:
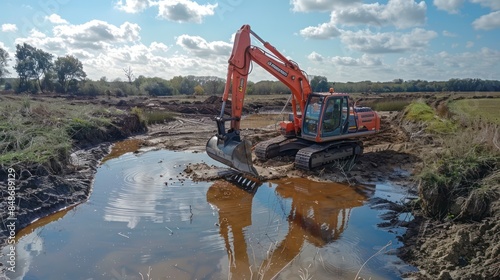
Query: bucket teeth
{"type": "Point", "coordinates": [246, 183]}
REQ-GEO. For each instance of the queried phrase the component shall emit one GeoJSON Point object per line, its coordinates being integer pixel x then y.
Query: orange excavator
{"type": "Point", "coordinates": [323, 127]}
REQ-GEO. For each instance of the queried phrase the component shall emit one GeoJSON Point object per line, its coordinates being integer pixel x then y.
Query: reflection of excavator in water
{"type": "Point", "coordinates": [318, 215]}
{"type": "Point", "coordinates": [324, 127]}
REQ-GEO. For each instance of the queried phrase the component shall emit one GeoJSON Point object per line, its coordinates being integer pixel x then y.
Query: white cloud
{"type": "Point", "coordinates": [472, 64]}
{"type": "Point", "coordinates": [399, 13]}
{"type": "Point", "coordinates": [479, 64]}
{"type": "Point", "coordinates": [493, 4]}
{"type": "Point", "coordinates": [184, 10]}
{"type": "Point", "coordinates": [405, 13]}
{"type": "Point", "coordinates": [34, 33]}
{"type": "Point", "coordinates": [432, 67]}
{"type": "Point", "coordinates": [365, 61]}
{"type": "Point", "coordinates": [149, 62]}
{"type": "Point", "coordinates": [132, 6]}
{"type": "Point", "coordinates": [345, 61]}
{"type": "Point", "coordinates": [9, 27]}
{"type": "Point", "coordinates": [158, 47]}
{"type": "Point", "coordinates": [415, 60]}
{"type": "Point", "coordinates": [488, 22]}
{"type": "Point", "coordinates": [389, 42]}
{"type": "Point", "coordinates": [96, 33]}
{"type": "Point", "coordinates": [450, 6]}
{"type": "Point", "coordinates": [172, 10]}
{"type": "Point", "coordinates": [56, 19]}
{"type": "Point", "coordinates": [322, 31]}
{"type": "Point", "coordinates": [200, 47]}
{"type": "Point", "coordinates": [85, 40]}
{"type": "Point", "coordinates": [345, 68]}
{"type": "Point", "coordinates": [320, 5]}
{"type": "Point", "coordinates": [129, 54]}
{"type": "Point", "coordinates": [314, 56]}
{"type": "Point", "coordinates": [105, 49]}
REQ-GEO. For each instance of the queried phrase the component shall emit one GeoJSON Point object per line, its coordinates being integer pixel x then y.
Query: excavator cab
{"type": "Point", "coordinates": [326, 115]}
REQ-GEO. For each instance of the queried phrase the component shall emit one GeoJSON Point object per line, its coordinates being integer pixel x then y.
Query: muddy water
{"type": "Point", "coordinates": [145, 217]}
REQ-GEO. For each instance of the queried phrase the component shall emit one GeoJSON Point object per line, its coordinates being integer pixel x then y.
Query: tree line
{"type": "Point", "coordinates": [38, 72]}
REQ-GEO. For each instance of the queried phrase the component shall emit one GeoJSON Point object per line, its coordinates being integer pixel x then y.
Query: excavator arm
{"type": "Point", "coordinates": [227, 146]}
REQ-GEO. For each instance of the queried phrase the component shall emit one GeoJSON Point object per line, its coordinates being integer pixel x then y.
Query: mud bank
{"type": "Point", "coordinates": [447, 250]}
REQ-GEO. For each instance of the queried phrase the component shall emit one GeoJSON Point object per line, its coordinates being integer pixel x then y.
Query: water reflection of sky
{"type": "Point", "coordinates": [134, 222]}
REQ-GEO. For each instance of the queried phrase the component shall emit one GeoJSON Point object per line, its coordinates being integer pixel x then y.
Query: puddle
{"type": "Point", "coordinates": [123, 147]}
{"type": "Point", "coordinates": [145, 217]}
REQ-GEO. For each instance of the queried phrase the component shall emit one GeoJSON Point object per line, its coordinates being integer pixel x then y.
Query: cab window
{"type": "Point", "coordinates": [312, 116]}
{"type": "Point", "coordinates": [336, 114]}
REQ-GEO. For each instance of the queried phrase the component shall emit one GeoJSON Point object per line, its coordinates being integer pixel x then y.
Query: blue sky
{"type": "Point", "coordinates": [343, 40]}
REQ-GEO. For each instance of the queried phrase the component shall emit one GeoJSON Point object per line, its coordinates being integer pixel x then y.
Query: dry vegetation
{"type": "Point", "coordinates": [40, 132]}
{"type": "Point", "coordinates": [457, 212]}
{"type": "Point", "coordinates": [460, 180]}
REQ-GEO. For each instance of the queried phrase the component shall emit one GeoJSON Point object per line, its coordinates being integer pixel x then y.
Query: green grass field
{"type": "Point", "coordinates": [487, 109]}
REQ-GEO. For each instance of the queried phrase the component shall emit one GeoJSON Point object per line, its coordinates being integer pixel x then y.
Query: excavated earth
{"type": "Point", "coordinates": [437, 249]}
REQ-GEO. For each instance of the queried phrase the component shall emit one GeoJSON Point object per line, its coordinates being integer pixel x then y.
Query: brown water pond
{"type": "Point", "coordinates": [145, 220]}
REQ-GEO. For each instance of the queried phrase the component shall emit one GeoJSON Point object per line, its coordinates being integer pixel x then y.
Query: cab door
{"type": "Point", "coordinates": [335, 116]}
{"type": "Point", "coordinates": [312, 116]}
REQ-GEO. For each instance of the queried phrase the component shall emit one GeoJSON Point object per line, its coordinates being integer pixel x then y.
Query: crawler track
{"type": "Point", "coordinates": [309, 155]}
{"type": "Point", "coordinates": [319, 155]}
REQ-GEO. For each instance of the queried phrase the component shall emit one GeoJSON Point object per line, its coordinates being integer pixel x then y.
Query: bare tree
{"type": "Point", "coordinates": [129, 74]}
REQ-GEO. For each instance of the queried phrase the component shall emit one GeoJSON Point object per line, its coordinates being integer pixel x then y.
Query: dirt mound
{"type": "Point", "coordinates": [213, 99]}
{"type": "Point", "coordinates": [454, 251]}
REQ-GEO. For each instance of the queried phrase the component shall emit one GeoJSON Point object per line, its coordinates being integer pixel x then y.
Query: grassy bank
{"type": "Point", "coordinates": [460, 179]}
{"type": "Point", "coordinates": [43, 131]}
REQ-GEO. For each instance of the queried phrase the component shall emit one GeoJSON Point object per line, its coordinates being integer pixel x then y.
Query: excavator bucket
{"type": "Point", "coordinates": [233, 153]}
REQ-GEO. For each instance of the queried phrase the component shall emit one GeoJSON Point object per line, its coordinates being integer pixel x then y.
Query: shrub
{"type": "Point", "coordinates": [89, 89]}
{"type": "Point", "coordinates": [153, 117]}
{"type": "Point", "coordinates": [140, 114]}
